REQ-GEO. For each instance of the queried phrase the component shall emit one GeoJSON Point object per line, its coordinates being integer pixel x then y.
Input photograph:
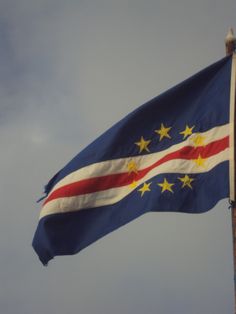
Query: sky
{"type": "Point", "coordinates": [68, 71]}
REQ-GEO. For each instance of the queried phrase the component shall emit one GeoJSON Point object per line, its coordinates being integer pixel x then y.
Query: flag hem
{"type": "Point", "coordinates": [232, 114]}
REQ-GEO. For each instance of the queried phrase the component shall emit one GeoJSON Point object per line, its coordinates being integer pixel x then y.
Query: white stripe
{"type": "Point", "coordinates": [231, 138]}
{"type": "Point", "coordinates": [110, 167]}
{"type": "Point", "coordinates": [112, 196]}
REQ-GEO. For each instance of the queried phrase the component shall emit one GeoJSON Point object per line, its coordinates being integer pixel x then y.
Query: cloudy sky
{"type": "Point", "coordinates": [68, 71]}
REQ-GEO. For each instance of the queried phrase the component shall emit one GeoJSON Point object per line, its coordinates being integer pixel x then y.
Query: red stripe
{"type": "Point", "coordinates": [102, 183]}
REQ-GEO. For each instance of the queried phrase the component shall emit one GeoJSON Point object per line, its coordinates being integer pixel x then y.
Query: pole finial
{"type": "Point", "coordinates": [230, 42]}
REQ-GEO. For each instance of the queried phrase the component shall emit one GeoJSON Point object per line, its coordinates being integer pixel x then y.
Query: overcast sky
{"type": "Point", "coordinates": [68, 71]}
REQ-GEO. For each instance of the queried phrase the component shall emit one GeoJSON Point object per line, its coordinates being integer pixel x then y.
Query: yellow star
{"type": "Point", "coordinates": [143, 145]}
{"type": "Point", "coordinates": [132, 167]}
{"type": "Point", "coordinates": [163, 132]}
{"type": "Point", "coordinates": [198, 140]}
{"type": "Point", "coordinates": [134, 184]}
{"type": "Point", "coordinates": [186, 180]}
{"type": "Point", "coordinates": [145, 188]}
{"type": "Point", "coordinates": [200, 162]}
{"type": "Point", "coordinates": [188, 131]}
{"type": "Point", "coordinates": [166, 186]}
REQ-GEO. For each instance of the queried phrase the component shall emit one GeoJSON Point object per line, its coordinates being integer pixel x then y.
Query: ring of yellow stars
{"type": "Point", "coordinates": [143, 145]}
{"type": "Point", "coordinates": [198, 140]}
{"type": "Point", "coordinates": [186, 180]}
{"type": "Point", "coordinates": [188, 131]}
{"type": "Point", "coordinates": [145, 188]}
{"type": "Point", "coordinates": [163, 132]}
{"type": "Point", "coordinates": [132, 167]}
{"type": "Point", "coordinates": [200, 162]}
{"type": "Point", "coordinates": [166, 186]}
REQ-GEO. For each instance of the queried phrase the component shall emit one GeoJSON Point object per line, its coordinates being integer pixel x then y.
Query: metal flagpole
{"type": "Point", "coordinates": [230, 45]}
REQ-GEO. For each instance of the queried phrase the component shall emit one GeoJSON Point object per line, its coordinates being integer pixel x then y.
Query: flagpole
{"type": "Point", "coordinates": [230, 47]}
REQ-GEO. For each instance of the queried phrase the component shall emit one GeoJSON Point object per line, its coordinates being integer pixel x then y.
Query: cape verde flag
{"type": "Point", "coordinates": [174, 153]}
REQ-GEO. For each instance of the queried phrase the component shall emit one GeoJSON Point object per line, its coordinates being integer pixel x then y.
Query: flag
{"type": "Point", "coordinates": [172, 154]}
